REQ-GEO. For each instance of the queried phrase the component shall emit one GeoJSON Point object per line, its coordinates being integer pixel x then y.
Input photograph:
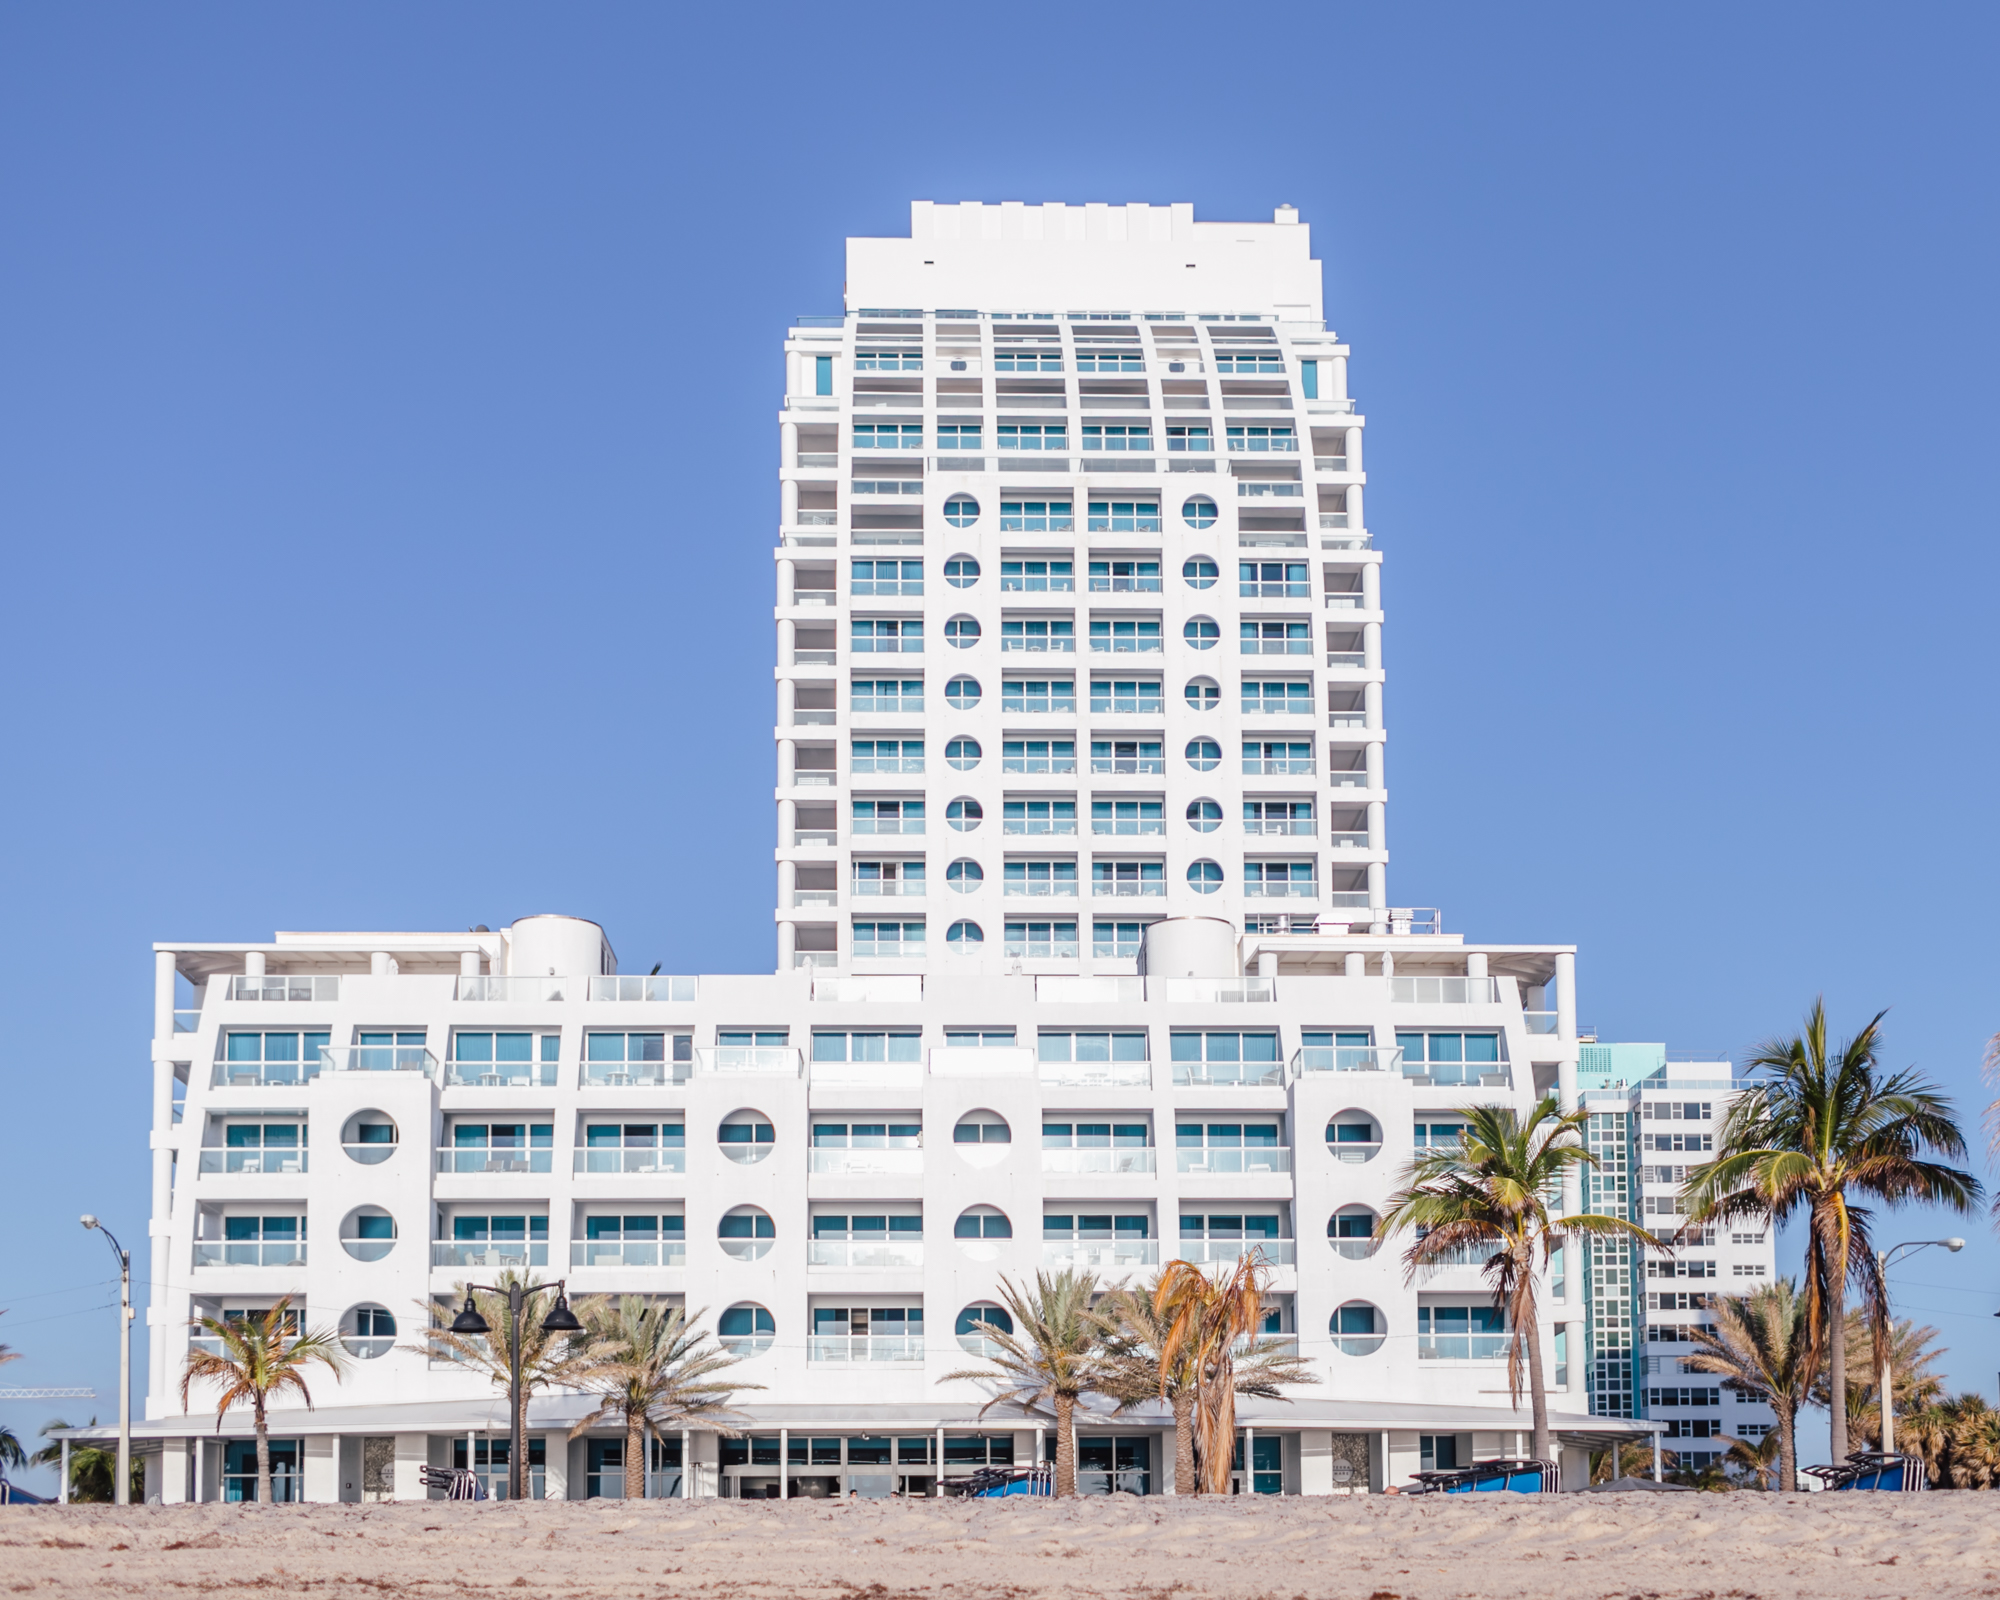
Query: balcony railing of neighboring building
{"type": "Point", "coordinates": [285, 986]}
{"type": "Point", "coordinates": [677, 989]}
{"type": "Point", "coordinates": [516, 991]}
{"type": "Point", "coordinates": [1347, 1058]}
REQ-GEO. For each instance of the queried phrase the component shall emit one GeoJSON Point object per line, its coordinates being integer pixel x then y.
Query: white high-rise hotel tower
{"type": "Point", "coordinates": [1087, 959]}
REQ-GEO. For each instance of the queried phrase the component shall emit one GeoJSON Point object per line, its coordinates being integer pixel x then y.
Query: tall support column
{"type": "Point", "coordinates": [1371, 705]}
{"type": "Point", "coordinates": [788, 823]}
{"type": "Point", "coordinates": [788, 501]}
{"type": "Point", "coordinates": [788, 946]}
{"type": "Point", "coordinates": [785, 1463]}
{"type": "Point", "coordinates": [787, 643]}
{"type": "Point", "coordinates": [788, 580]}
{"type": "Point", "coordinates": [1336, 376]}
{"type": "Point", "coordinates": [253, 964]}
{"type": "Point", "coordinates": [1353, 449]}
{"type": "Point", "coordinates": [788, 754]}
{"type": "Point", "coordinates": [1378, 899]}
{"type": "Point", "coordinates": [788, 443]}
{"type": "Point", "coordinates": [1371, 646]}
{"type": "Point", "coordinates": [1357, 964]}
{"type": "Point", "coordinates": [788, 695]}
{"type": "Point", "coordinates": [1377, 831]}
{"type": "Point", "coordinates": [1371, 587]}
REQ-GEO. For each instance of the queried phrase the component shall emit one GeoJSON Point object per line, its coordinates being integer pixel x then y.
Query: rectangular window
{"type": "Point", "coordinates": [1122, 516]}
{"type": "Point", "coordinates": [1275, 758]}
{"type": "Point", "coordinates": [1120, 940]}
{"type": "Point", "coordinates": [1088, 1046]}
{"type": "Point", "coordinates": [1022, 436]}
{"type": "Point", "coordinates": [867, 1135]}
{"type": "Point", "coordinates": [1037, 577]}
{"type": "Point", "coordinates": [1125, 359]}
{"type": "Point", "coordinates": [1278, 817]}
{"type": "Point", "coordinates": [888, 816]}
{"type": "Point", "coordinates": [1257, 438]}
{"type": "Point", "coordinates": [887, 694]}
{"type": "Point", "coordinates": [1277, 639]}
{"type": "Point", "coordinates": [888, 361]}
{"type": "Point", "coordinates": [1127, 755]}
{"type": "Point", "coordinates": [1148, 878]}
{"type": "Point", "coordinates": [1273, 580]}
{"type": "Point", "coordinates": [1309, 379]}
{"type": "Point", "coordinates": [887, 755]}
{"type": "Point", "coordinates": [500, 1230]}
{"type": "Point", "coordinates": [1036, 516]}
{"type": "Point", "coordinates": [1098, 1228]}
{"type": "Point", "coordinates": [958, 436]}
{"type": "Point", "coordinates": [889, 938]}
{"type": "Point", "coordinates": [1038, 694]}
{"type": "Point", "coordinates": [1220, 1047]}
{"type": "Point", "coordinates": [822, 374]}
{"type": "Point", "coordinates": [1038, 755]}
{"type": "Point", "coordinates": [1015, 360]}
{"type": "Point", "coordinates": [1124, 577]}
{"type": "Point", "coordinates": [1118, 436]}
{"type": "Point", "coordinates": [1095, 1136]}
{"type": "Point", "coordinates": [866, 1045]}
{"type": "Point", "coordinates": [1193, 436]}
{"type": "Point", "coordinates": [1039, 636]}
{"type": "Point", "coordinates": [1040, 940]}
{"type": "Point", "coordinates": [1041, 878]}
{"type": "Point", "coordinates": [1137, 696]}
{"type": "Point", "coordinates": [979, 1038]}
{"type": "Point", "coordinates": [888, 577]}
{"type": "Point", "coordinates": [1125, 638]}
{"type": "Point", "coordinates": [1436, 1135]}
{"type": "Point", "coordinates": [888, 877]}
{"type": "Point", "coordinates": [1345, 1051]}
{"type": "Point", "coordinates": [1270, 878]}
{"type": "Point", "coordinates": [1122, 818]}
{"type": "Point", "coordinates": [1247, 363]}
{"type": "Point", "coordinates": [1028, 818]}
{"type": "Point", "coordinates": [889, 436]}
{"type": "Point", "coordinates": [1268, 698]}
{"type": "Point", "coordinates": [887, 635]}
{"type": "Point", "coordinates": [273, 1058]}
{"type": "Point", "coordinates": [493, 1059]}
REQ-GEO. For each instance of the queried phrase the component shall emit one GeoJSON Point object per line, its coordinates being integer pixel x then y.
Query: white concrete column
{"type": "Point", "coordinates": [1373, 756]}
{"type": "Point", "coordinates": [1371, 646]}
{"type": "Point", "coordinates": [687, 1464]}
{"type": "Point", "coordinates": [1335, 369]}
{"type": "Point", "coordinates": [788, 876]}
{"type": "Point", "coordinates": [253, 963]}
{"type": "Point", "coordinates": [788, 945]}
{"type": "Point", "coordinates": [787, 762]}
{"type": "Point", "coordinates": [320, 1469]}
{"type": "Point", "coordinates": [1371, 705]}
{"type": "Point", "coordinates": [1371, 587]}
{"type": "Point", "coordinates": [163, 995]}
{"type": "Point", "coordinates": [1357, 964]}
{"type": "Point", "coordinates": [1566, 998]}
{"type": "Point", "coordinates": [788, 822]}
{"type": "Point", "coordinates": [1355, 522]}
{"type": "Point", "coordinates": [1267, 963]}
{"type": "Point", "coordinates": [1475, 964]}
{"type": "Point", "coordinates": [1353, 450]}
{"type": "Point", "coordinates": [468, 963]}
{"type": "Point", "coordinates": [381, 964]}
{"type": "Point", "coordinates": [788, 500]}
{"type": "Point", "coordinates": [173, 1472]}
{"type": "Point", "coordinates": [1388, 965]}
{"type": "Point", "coordinates": [412, 1455]}
{"type": "Point", "coordinates": [787, 702]}
{"type": "Point", "coordinates": [788, 442]}
{"type": "Point", "coordinates": [1378, 897]}
{"type": "Point", "coordinates": [1376, 814]}
{"type": "Point", "coordinates": [788, 575]}
{"type": "Point", "coordinates": [937, 1444]}
{"type": "Point", "coordinates": [787, 642]}
{"type": "Point", "coordinates": [785, 1461]}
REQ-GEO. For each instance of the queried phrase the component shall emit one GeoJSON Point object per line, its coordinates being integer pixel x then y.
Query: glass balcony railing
{"type": "Point", "coordinates": [1096, 1074]}
{"type": "Point", "coordinates": [1346, 1058]}
{"type": "Point", "coordinates": [1231, 1162]}
{"type": "Point", "coordinates": [635, 1074]}
{"type": "Point", "coordinates": [1112, 1162]}
{"type": "Point", "coordinates": [519, 991]}
{"type": "Point", "coordinates": [250, 1253]}
{"type": "Point", "coordinates": [1540, 1021]}
{"type": "Point", "coordinates": [1051, 989]}
{"type": "Point", "coordinates": [262, 1162]}
{"type": "Point", "coordinates": [866, 1255]}
{"type": "Point", "coordinates": [1353, 1249]}
{"type": "Point", "coordinates": [864, 1163]}
{"type": "Point", "coordinates": [471, 1159]}
{"type": "Point", "coordinates": [490, 1253]}
{"type": "Point", "coordinates": [1092, 1255]}
{"type": "Point", "coordinates": [187, 1021]}
{"type": "Point", "coordinates": [612, 1161]}
{"type": "Point", "coordinates": [773, 1059]}
{"type": "Point", "coordinates": [264, 1074]}
{"type": "Point", "coordinates": [1219, 991]}
{"type": "Point", "coordinates": [1203, 1252]}
{"type": "Point", "coordinates": [628, 1253]}
{"type": "Point", "coordinates": [1357, 1344]}
{"type": "Point", "coordinates": [284, 986]}
{"type": "Point", "coordinates": [379, 1058]}
{"type": "Point", "coordinates": [369, 1348]}
{"type": "Point", "coordinates": [1458, 1074]}
{"type": "Point", "coordinates": [846, 1349]}
{"type": "Point", "coordinates": [1445, 991]}
{"type": "Point", "coordinates": [1228, 1074]}
{"type": "Point", "coordinates": [1462, 1346]}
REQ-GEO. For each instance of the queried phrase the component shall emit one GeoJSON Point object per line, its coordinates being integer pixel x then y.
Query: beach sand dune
{"type": "Point", "coordinates": [1812, 1547]}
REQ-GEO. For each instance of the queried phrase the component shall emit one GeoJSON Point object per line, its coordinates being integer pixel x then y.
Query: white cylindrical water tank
{"type": "Point", "coordinates": [1191, 947]}
{"type": "Point", "coordinates": [562, 947]}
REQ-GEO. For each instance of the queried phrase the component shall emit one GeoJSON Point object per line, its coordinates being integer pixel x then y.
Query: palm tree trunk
{"type": "Point", "coordinates": [1788, 1451]}
{"type": "Point", "coordinates": [635, 1456]}
{"type": "Point", "coordinates": [1538, 1394]}
{"type": "Point", "coordinates": [1184, 1478]}
{"type": "Point", "coordinates": [1836, 1356]}
{"type": "Point", "coordinates": [263, 1455]}
{"type": "Point", "coordinates": [1065, 1445]}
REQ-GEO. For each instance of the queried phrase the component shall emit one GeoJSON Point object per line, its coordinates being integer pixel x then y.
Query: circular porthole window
{"type": "Point", "coordinates": [369, 1137]}
{"type": "Point", "coordinates": [746, 1233]}
{"type": "Point", "coordinates": [962, 754]}
{"type": "Point", "coordinates": [977, 1229]}
{"type": "Point", "coordinates": [962, 693]}
{"type": "Point", "coordinates": [964, 932]}
{"type": "Point", "coordinates": [961, 633]}
{"type": "Point", "coordinates": [982, 1138]}
{"type": "Point", "coordinates": [1201, 633]}
{"type": "Point", "coordinates": [368, 1331]}
{"type": "Point", "coordinates": [962, 511]}
{"type": "Point", "coordinates": [1204, 694]}
{"type": "Point", "coordinates": [1198, 511]}
{"type": "Point", "coordinates": [746, 1329]}
{"type": "Point", "coordinates": [964, 875]}
{"type": "Point", "coordinates": [1204, 877]}
{"type": "Point", "coordinates": [1358, 1329]}
{"type": "Point", "coordinates": [1204, 755]}
{"type": "Point", "coordinates": [1204, 816]}
{"type": "Point", "coordinates": [1351, 1232]}
{"type": "Point", "coordinates": [746, 1136]}
{"type": "Point", "coordinates": [1352, 1136]}
{"type": "Point", "coordinates": [961, 572]}
{"type": "Point", "coordinates": [1200, 572]}
{"type": "Point", "coordinates": [977, 1324]}
{"type": "Point", "coordinates": [368, 1233]}
{"type": "Point", "coordinates": [962, 816]}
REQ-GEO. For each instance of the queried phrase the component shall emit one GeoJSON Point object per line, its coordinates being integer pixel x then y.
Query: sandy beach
{"type": "Point", "coordinates": [1819, 1547]}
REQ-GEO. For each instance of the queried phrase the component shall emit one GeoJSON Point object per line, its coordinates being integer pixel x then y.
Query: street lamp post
{"type": "Point", "coordinates": [559, 1320]}
{"type": "Point", "coordinates": [1884, 1378]}
{"type": "Point", "coordinates": [122, 1489]}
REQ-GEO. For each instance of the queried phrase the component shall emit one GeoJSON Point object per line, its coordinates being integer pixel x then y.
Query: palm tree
{"type": "Point", "coordinates": [1759, 1462]}
{"type": "Point", "coordinates": [1491, 1189]}
{"type": "Point", "coordinates": [1826, 1125]}
{"type": "Point", "coordinates": [1761, 1344]}
{"type": "Point", "coordinates": [1713, 1477]}
{"type": "Point", "coordinates": [261, 1356]}
{"type": "Point", "coordinates": [650, 1371]}
{"type": "Point", "coordinates": [93, 1470]}
{"type": "Point", "coordinates": [1630, 1460]}
{"type": "Point", "coordinates": [1910, 1350]}
{"type": "Point", "coordinates": [1137, 1370]}
{"type": "Point", "coordinates": [547, 1359]}
{"type": "Point", "coordinates": [1958, 1441]}
{"type": "Point", "coordinates": [1054, 1356]}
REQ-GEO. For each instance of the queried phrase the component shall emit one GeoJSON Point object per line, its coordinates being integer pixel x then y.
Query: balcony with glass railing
{"type": "Point", "coordinates": [494, 1253]}
{"type": "Point", "coordinates": [262, 1162]}
{"type": "Point", "coordinates": [774, 1060]}
{"type": "Point", "coordinates": [1458, 1074]}
{"type": "Point", "coordinates": [1355, 1248]}
{"type": "Point", "coordinates": [1251, 489]}
{"type": "Point", "coordinates": [378, 1058]}
{"type": "Point", "coordinates": [1092, 1255]}
{"type": "Point", "coordinates": [1095, 1074]}
{"type": "Point", "coordinates": [628, 1253]}
{"type": "Point", "coordinates": [1229, 1074]}
{"type": "Point", "coordinates": [1104, 1161]}
{"type": "Point", "coordinates": [1220, 1162]}
{"type": "Point", "coordinates": [1445, 991]}
{"type": "Point", "coordinates": [635, 1161]}
{"type": "Point", "coordinates": [1540, 1021]}
{"type": "Point", "coordinates": [1279, 827]}
{"type": "Point", "coordinates": [1346, 1058]}
{"type": "Point", "coordinates": [249, 1253]}
{"type": "Point", "coordinates": [863, 1163]}
{"type": "Point", "coordinates": [651, 986]}
{"type": "Point", "coordinates": [868, 1349]}
{"type": "Point", "coordinates": [284, 986]}
{"type": "Point", "coordinates": [515, 991]}
{"type": "Point", "coordinates": [1217, 991]}
{"type": "Point", "coordinates": [1462, 1346]}
{"type": "Point", "coordinates": [1227, 1252]}
{"type": "Point", "coordinates": [866, 1255]}
{"type": "Point", "coordinates": [470, 1159]}
{"type": "Point", "coordinates": [501, 1074]}
{"type": "Point", "coordinates": [634, 1074]}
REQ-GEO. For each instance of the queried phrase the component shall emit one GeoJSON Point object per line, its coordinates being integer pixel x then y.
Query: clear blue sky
{"type": "Point", "coordinates": [386, 478]}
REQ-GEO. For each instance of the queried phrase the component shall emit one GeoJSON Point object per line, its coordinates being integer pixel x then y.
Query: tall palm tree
{"type": "Point", "coordinates": [1138, 1370]}
{"type": "Point", "coordinates": [1206, 1316]}
{"type": "Point", "coordinates": [1828, 1124]}
{"type": "Point", "coordinates": [650, 1372]}
{"type": "Point", "coordinates": [547, 1359]}
{"type": "Point", "coordinates": [93, 1470]}
{"type": "Point", "coordinates": [1911, 1351]}
{"type": "Point", "coordinates": [1054, 1356]}
{"type": "Point", "coordinates": [1491, 1191]}
{"type": "Point", "coordinates": [261, 1356]}
{"type": "Point", "coordinates": [1762, 1345]}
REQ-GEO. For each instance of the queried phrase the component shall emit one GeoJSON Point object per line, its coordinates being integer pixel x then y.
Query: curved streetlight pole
{"type": "Point", "coordinates": [122, 1489]}
{"type": "Point", "coordinates": [1884, 1379]}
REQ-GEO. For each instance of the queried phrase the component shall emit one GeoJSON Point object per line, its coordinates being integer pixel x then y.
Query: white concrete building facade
{"type": "Point", "coordinates": [1086, 953]}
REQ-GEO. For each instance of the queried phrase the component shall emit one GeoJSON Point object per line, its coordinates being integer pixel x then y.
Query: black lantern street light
{"type": "Point", "coordinates": [559, 1320]}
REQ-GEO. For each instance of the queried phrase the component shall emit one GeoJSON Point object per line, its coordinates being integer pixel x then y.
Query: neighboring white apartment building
{"type": "Point", "coordinates": [1086, 950]}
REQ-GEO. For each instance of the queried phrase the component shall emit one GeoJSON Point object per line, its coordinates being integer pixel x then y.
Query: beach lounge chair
{"type": "Point", "coordinates": [1512, 1475]}
{"type": "Point", "coordinates": [458, 1483]}
{"type": "Point", "coordinates": [1893, 1472]}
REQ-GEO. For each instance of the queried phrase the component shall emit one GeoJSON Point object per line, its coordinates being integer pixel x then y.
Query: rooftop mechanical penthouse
{"type": "Point", "coordinates": [1087, 955]}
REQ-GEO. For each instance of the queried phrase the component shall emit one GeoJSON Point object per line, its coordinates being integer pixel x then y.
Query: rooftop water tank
{"type": "Point", "coordinates": [1191, 947]}
{"type": "Point", "coordinates": [565, 947]}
